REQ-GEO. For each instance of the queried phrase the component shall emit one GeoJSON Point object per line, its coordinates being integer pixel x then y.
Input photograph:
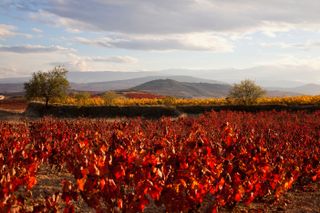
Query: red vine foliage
{"type": "Point", "coordinates": [230, 157]}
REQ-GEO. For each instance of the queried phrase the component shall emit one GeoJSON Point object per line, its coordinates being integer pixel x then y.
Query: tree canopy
{"type": "Point", "coordinates": [47, 85]}
{"type": "Point", "coordinates": [246, 92]}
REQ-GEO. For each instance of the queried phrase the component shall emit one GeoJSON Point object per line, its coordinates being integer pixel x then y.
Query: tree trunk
{"type": "Point", "coordinates": [47, 102]}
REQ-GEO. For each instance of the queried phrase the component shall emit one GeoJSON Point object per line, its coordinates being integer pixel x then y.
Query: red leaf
{"type": "Point", "coordinates": [119, 172]}
{"type": "Point", "coordinates": [112, 184]}
{"type": "Point", "coordinates": [250, 199]}
{"type": "Point", "coordinates": [143, 203]}
{"type": "Point", "coordinates": [84, 172]}
{"type": "Point", "coordinates": [237, 197]}
{"type": "Point", "coordinates": [214, 209]}
{"type": "Point", "coordinates": [69, 209]}
{"type": "Point", "coordinates": [31, 182]}
{"type": "Point", "coordinates": [314, 178]}
{"type": "Point", "coordinates": [102, 184]}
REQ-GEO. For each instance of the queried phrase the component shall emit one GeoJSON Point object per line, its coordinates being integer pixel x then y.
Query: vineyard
{"type": "Point", "coordinates": [219, 159]}
{"type": "Point", "coordinates": [136, 99]}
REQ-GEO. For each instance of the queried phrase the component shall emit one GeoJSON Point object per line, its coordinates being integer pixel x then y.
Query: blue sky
{"type": "Point", "coordinates": [135, 35]}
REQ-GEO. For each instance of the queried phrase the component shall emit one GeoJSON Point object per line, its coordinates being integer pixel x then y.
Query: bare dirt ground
{"type": "Point", "coordinates": [294, 201]}
{"type": "Point", "coordinates": [49, 182]}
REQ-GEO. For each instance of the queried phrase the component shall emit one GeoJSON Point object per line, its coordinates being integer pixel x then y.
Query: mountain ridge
{"type": "Point", "coordinates": [282, 76]}
{"type": "Point", "coordinates": [169, 87]}
{"type": "Point", "coordinates": [306, 89]}
{"type": "Point", "coordinates": [126, 84]}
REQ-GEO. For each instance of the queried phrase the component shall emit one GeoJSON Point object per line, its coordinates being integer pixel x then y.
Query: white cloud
{"type": "Point", "coordinates": [306, 46]}
{"type": "Point", "coordinates": [33, 49]}
{"type": "Point", "coordinates": [175, 17]}
{"type": "Point", "coordinates": [85, 63]}
{"type": "Point", "coordinates": [37, 30]}
{"type": "Point", "coordinates": [71, 25]}
{"type": "Point", "coordinates": [75, 62]}
{"type": "Point", "coordinates": [9, 71]}
{"type": "Point", "coordinates": [302, 62]}
{"type": "Point", "coordinates": [205, 26]}
{"type": "Point", "coordinates": [10, 31]}
{"type": "Point", "coordinates": [271, 28]}
{"type": "Point", "coordinates": [191, 41]}
{"type": "Point", "coordinates": [7, 30]}
{"type": "Point", "coordinates": [33, 61]}
{"type": "Point", "coordinates": [113, 59]}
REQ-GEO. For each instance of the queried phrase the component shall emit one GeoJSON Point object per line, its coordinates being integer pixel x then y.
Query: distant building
{"type": "Point", "coordinates": [2, 97]}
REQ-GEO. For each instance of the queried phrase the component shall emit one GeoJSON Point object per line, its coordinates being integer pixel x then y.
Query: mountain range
{"type": "Point", "coordinates": [129, 83]}
{"type": "Point", "coordinates": [282, 76]}
{"type": "Point", "coordinates": [161, 83]}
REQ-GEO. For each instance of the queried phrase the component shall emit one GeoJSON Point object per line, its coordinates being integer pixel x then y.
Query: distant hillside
{"type": "Point", "coordinates": [169, 87]}
{"type": "Point", "coordinates": [104, 76]}
{"type": "Point", "coordinates": [311, 89]}
{"type": "Point", "coordinates": [14, 80]}
{"type": "Point", "coordinates": [307, 89]}
{"type": "Point", "coordinates": [11, 88]}
{"type": "Point", "coordinates": [93, 76]}
{"type": "Point", "coordinates": [277, 93]}
{"type": "Point", "coordinates": [126, 84]}
{"type": "Point", "coordinates": [266, 76]}
{"type": "Point", "coordinates": [285, 76]}
{"type": "Point", "coordinates": [180, 86]}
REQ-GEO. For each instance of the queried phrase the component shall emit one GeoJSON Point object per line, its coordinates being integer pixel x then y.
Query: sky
{"type": "Point", "coordinates": [143, 35]}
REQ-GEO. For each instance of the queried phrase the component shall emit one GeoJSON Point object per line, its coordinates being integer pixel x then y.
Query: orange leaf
{"type": "Point", "coordinates": [221, 183]}
{"type": "Point", "coordinates": [183, 182]}
{"type": "Point", "coordinates": [102, 183]}
{"type": "Point", "coordinates": [120, 203]}
{"type": "Point", "coordinates": [80, 183]}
